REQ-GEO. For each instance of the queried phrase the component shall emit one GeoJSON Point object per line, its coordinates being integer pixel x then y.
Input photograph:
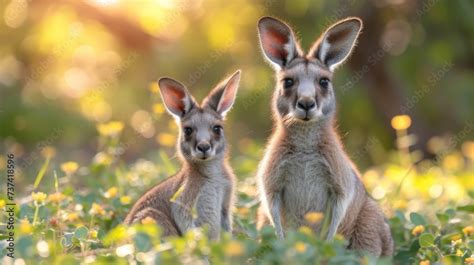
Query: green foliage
{"type": "Point", "coordinates": [84, 226]}
{"type": "Point", "coordinates": [65, 70]}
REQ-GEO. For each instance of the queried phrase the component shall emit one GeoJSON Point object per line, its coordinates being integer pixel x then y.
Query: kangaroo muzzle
{"type": "Point", "coordinates": [203, 150]}
{"type": "Point", "coordinates": [305, 108]}
{"type": "Point", "coordinates": [306, 104]}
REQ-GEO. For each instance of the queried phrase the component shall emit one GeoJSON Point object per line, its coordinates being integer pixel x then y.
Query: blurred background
{"type": "Point", "coordinates": [71, 71]}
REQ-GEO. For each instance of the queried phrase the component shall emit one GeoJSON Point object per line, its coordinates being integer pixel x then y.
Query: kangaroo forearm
{"type": "Point", "coordinates": [338, 210]}
{"type": "Point", "coordinates": [275, 212]}
{"type": "Point", "coordinates": [227, 225]}
{"type": "Point", "coordinates": [226, 220]}
{"type": "Point", "coordinates": [226, 216]}
{"type": "Point", "coordinates": [182, 216]}
{"type": "Point", "coordinates": [212, 223]}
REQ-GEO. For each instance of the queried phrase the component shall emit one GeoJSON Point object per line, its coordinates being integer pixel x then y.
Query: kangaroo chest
{"type": "Point", "coordinates": [306, 187]}
{"type": "Point", "coordinates": [210, 199]}
{"type": "Point", "coordinates": [210, 194]}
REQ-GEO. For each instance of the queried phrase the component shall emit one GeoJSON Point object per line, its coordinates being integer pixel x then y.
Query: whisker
{"type": "Point", "coordinates": [289, 120]}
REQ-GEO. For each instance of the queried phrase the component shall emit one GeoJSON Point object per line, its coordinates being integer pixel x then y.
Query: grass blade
{"type": "Point", "coordinates": [40, 175]}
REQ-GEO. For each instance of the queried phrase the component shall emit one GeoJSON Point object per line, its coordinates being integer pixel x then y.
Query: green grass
{"type": "Point", "coordinates": [74, 215]}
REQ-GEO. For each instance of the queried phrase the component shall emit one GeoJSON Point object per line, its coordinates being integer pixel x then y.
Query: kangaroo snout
{"type": "Point", "coordinates": [306, 104]}
{"type": "Point", "coordinates": [203, 147]}
{"type": "Point", "coordinates": [306, 108]}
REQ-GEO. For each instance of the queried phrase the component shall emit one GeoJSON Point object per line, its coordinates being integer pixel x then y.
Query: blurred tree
{"type": "Point", "coordinates": [76, 63]}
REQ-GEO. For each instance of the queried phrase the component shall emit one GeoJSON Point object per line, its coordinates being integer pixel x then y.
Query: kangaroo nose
{"type": "Point", "coordinates": [306, 104]}
{"type": "Point", "coordinates": [203, 147]}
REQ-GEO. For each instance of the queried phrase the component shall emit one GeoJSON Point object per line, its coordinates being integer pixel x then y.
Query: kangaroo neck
{"type": "Point", "coordinates": [208, 169]}
{"type": "Point", "coordinates": [307, 135]}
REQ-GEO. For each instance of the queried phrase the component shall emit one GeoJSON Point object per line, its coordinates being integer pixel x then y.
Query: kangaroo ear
{"type": "Point", "coordinates": [277, 41]}
{"type": "Point", "coordinates": [336, 44]}
{"type": "Point", "coordinates": [222, 97]}
{"type": "Point", "coordinates": [176, 97]}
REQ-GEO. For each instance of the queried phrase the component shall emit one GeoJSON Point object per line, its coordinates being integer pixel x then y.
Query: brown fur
{"type": "Point", "coordinates": [305, 168]}
{"type": "Point", "coordinates": [202, 192]}
{"type": "Point", "coordinates": [157, 204]}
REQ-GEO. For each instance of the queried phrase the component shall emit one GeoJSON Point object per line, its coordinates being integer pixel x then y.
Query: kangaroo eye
{"type": "Point", "coordinates": [188, 131]}
{"type": "Point", "coordinates": [288, 82]}
{"type": "Point", "coordinates": [217, 129]}
{"type": "Point", "coordinates": [324, 82]}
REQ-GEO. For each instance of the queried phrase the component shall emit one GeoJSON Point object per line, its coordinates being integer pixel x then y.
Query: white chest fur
{"type": "Point", "coordinates": [306, 186]}
{"type": "Point", "coordinates": [210, 197]}
{"type": "Point", "coordinates": [209, 205]}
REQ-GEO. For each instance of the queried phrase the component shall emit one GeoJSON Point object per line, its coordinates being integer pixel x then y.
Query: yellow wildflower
{"type": "Point", "coordinates": [418, 230]}
{"type": "Point", "coordinates": [313, 217]}
{"type": "Point", "coordinates": [400, 204]}
{"type": "Point", "coordinates": [456, 237]}
{"type": "Point", "coordinates": [469, 260]}
{"type": "Point", "coordinates": [234, 248]}
{"type": "Point", "coordinates": [25, 226]}
{"type": "Point", "coordinates": [71, 217]}
{"type": "Point", "coordinates": [459, 253]}
{"type": "Point", "coordinates": [154, 88]}
{"type": "Point", "coordinates": [158, 108]}
{"type": "Point", "coordinates": [48, 151]}
{"type": "Point", "coordinates": [93, 234]}
{"type": "Point", "coordinates": [56, 197]}
{"type": "Point", "coordinates": [112, 128]}
{"type": "Point", "coordinates": [96, 209]}
{"type": "Point", "coordinates": [453, 162]}
{"type": "Point", "coordinates": [148, 221]}
{"type": "Point", "coordinates": [305, 230]}
{"type": "Point", "coordinates": [102, 158]}
{"type": "Point", "coordinates": [243, 211]}
{"type": "Point", "coordinates": [111, 193]}
{"type": "Point", "coordinates": [300, 247]}
{"type": "Point", "coordinates": [2, 203]}
{"type": "Point", "coordinates": [468, 149]}
{"type": "Point", "coordinates": [468, 230]}
{"type": "Point", "coordinates": [69, 167]}
{"type": "Point", "coordinates": [424, 262]}
{"type": "Point", "coordinates": [125, 200]}
{"type": "Point", "coordinates": [401, 122]}
{"type": "Point", "coordinates": [39, 197]}
{"type": "Point", "coordinates": [166, 139]}
{"type": "Point", "coordinates": [456, 242]}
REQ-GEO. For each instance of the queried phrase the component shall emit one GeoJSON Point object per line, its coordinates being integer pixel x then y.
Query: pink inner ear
{"type": "Point", "coordinates": [174, 98]}
{"type": "Point", "coordinates": [338, 36]}
{"type": "Point", "coordinates": [228, 96]}
{"type": "Point", "coordinates": [273, 43]}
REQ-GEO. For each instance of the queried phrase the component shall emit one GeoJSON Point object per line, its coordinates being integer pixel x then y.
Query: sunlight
{"type": "Point", "coordinates": [86, 132]}
{"type": "Point", "coordinates": [104, 2]}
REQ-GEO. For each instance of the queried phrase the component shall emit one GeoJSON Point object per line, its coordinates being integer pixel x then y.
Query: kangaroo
{"type": "Point", "coordinates": [206, 181]}
{"type": "Point", "coordinates": [305, 168]}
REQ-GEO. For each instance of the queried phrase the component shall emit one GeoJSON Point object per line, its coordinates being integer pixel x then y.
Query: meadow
{"type": "Point", "coordinates": [83, 125]}
{"type": "Point", "coordinates": [429, 205]}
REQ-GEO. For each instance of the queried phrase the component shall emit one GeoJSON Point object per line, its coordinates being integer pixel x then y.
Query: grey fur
{"type": "Point", "coordinates": [204, 186]}
{"type": "Point", "coordinates": [305, 168]}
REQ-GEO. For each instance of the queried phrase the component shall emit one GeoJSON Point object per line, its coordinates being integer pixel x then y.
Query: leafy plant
{"type": "Point", "coordinates": [430, 207]}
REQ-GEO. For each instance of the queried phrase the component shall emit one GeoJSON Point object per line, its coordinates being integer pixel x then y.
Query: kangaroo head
{"type": "Point", "coordinates": [304, 91]}
{"type": "Point", "coordinates": [201, 136]}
